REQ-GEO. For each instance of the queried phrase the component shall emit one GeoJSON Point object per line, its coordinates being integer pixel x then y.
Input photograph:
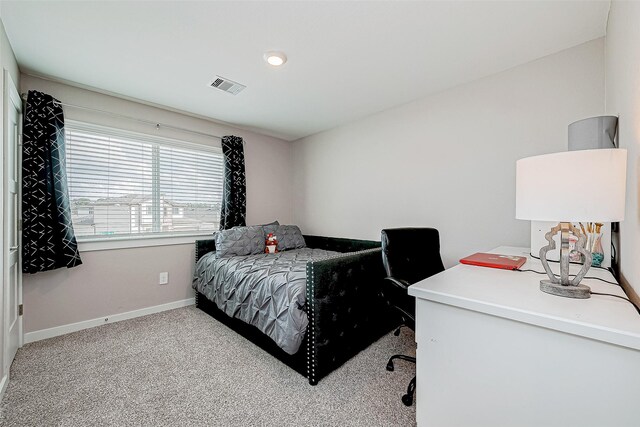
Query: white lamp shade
{"type": "Point", "coordinates": [586, 185]}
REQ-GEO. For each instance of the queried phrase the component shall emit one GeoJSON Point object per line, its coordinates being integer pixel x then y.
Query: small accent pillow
{"type": "Point", "coordinates": [240, 241]}
{"type": "Point", "coordinates": [289, 237]}
{"type": "Point", "coordinates": [270, 228]}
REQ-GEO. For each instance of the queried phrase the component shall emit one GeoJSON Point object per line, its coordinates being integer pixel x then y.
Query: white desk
{"type": "Point", "coordinates": [493, 350]}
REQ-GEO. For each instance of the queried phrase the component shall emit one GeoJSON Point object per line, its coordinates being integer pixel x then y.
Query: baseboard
{"type": "Point", "coordinates": [3, 387]}
{"type": "Point", "coordinates": [628, 289]}
{"type": "Point", "coordinates": [74, 327]}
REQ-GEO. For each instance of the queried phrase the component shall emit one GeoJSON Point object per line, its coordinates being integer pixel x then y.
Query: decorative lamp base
{"type": "Point", "coordinates": [569, 291]}
{"type": "Point", "coordinates": [564, 286]}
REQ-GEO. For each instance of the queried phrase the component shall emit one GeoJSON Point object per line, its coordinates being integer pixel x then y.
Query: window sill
{"type": "Point", "coordinates": [141, 242]}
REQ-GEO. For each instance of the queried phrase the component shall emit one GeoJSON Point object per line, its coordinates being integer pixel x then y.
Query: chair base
{"type": "Point", "coordinates": [407, 399]}
{"type": "Point", "coordinates": [397, 331]}
{"type": "Point", "coordinates": [390, 366]}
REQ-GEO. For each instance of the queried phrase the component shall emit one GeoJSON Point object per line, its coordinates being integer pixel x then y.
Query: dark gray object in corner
{"type": "Point", "coordinates": [593, 133]}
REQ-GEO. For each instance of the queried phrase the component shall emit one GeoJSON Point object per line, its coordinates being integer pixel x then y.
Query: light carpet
{"type": "Point", "coordinates": [183, 368]}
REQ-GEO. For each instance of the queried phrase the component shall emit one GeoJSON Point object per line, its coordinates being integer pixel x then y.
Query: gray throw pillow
{"type": "Point", "coordinates": [289, 237]}
{"type": "Point", "coordinates": [270, 228]}
{"type": "Point", "coordinates": [239, 241]}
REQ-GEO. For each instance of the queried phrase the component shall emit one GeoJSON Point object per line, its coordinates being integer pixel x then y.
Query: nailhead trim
{"type": "Point", "coordinates": [311, 308]}
{"type": "Point", "coordinates": [310, 327]}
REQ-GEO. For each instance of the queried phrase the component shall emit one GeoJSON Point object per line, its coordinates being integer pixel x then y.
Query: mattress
{"type": "Point", "coordinates": [267, 291]}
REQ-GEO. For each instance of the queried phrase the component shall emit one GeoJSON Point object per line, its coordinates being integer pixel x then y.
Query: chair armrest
{"type": "Point", "coordinates": [401, 287]}
{"type": "Point", "coordinates": [402, 284]}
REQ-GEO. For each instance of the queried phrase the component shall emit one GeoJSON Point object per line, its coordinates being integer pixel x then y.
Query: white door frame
{"type": "Point", "coordinates": [4, 374]}
{"type": "Point", "coordinates": [11, 98]}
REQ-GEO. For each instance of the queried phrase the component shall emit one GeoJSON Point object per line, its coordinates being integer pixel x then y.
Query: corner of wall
{"type": "Point", "coordinates": [622, 60]}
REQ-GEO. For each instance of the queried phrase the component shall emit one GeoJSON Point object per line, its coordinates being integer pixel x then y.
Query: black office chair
{"type": "Point", "coordinates": [409, 255]}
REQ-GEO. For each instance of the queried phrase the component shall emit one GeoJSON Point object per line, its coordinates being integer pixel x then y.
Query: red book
{"type": "Point", "coordinates": [506, 262]}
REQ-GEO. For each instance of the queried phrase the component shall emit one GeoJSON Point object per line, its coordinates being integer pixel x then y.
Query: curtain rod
{"type": "Point", "coordinates": [148, 122]}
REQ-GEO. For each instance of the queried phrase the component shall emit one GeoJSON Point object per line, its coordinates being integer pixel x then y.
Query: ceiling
{"type": "Point", "coordinates": [347, 60]}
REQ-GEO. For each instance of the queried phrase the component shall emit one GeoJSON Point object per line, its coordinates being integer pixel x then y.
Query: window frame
{"type": "Point", "coordinates": [91, 243]}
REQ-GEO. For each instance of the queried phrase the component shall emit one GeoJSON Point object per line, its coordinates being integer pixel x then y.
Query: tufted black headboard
{"type": "Point", "coordinates": [204, 246]}
{"type": "Point", "coordinates": [338, 244]}
{"type": "Point", "coordinates": [317, 242]}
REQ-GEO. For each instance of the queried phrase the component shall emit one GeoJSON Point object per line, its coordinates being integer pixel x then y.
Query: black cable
{"type": "Point", "coordinates": [571, 275]}
{"type": "Point", "coordinates": [618, 296]}
{"type": "Point", "coordinates": [592, 293]}
{"type": "Point", "coordinates": [614, 251]}
{"type": "Point", "coordinates": [602, 280]}
{"type": "Point", "coordinates": [551, 260]}
{"type": "Point", "coordinates": [533, 271]}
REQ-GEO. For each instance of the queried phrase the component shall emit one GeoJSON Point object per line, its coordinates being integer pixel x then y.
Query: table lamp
{"type": "Point", "coordinates": [568, 187]}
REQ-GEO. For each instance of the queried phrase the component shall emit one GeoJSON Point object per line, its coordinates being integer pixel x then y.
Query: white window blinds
{"type": "Point", "coordinates": [123, 184]}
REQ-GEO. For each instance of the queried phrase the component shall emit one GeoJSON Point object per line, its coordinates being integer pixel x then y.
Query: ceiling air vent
{"type": "Point", "coordinates": [226, 85]}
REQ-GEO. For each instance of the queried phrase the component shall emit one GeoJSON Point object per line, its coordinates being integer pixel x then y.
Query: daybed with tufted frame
{"type": "Point", "coordinates": [344, 306]}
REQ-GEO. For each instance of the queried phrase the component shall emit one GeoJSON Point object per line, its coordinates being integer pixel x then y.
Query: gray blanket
{"type": "Point", "coordinates": [265, 290]}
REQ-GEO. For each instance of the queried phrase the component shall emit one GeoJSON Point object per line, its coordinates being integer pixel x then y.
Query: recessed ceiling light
{"type": "Point", "coordinates": [275, 58]}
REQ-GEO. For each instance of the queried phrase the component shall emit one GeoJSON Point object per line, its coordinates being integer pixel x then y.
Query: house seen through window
{"type": "Point", "coordinates": [123, 184]}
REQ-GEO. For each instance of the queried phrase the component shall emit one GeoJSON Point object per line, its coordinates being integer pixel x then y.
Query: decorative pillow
{"type": "Point", "coordinates": [270, 228]}
{"type": "Point", "coordinates": [289, 237]}
{"type": "Point", "coordinates": [240, 241]}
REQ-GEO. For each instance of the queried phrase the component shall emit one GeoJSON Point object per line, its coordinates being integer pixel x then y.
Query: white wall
{"type": "Point", "coordinates": [448, 160]}
{"type": "Point", "coordinates": [117, 281]}
{"type": "Point", "coordinates": [7, 62]}
{"type": "Point", "coordinates": [623, 98]}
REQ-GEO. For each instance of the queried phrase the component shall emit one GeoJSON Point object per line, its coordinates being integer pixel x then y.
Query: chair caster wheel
{"type": "Point", "coordinates": [396, 332]}
{"type": "Point", "coordinates": [407, 399]}
{"type": "Point", "coordinates": [390, 366]}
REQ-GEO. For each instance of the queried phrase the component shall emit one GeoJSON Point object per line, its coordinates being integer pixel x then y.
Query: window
{"type": "Point", "coordinates": [129, 185]}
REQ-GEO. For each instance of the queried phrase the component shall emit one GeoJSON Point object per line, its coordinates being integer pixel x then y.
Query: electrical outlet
{"type": "Point", "coordinates": [164, 278]}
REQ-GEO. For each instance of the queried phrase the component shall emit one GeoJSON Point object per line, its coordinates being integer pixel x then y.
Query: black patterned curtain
{"type": "Point", "coordinates": [234, 193]}
{"type": "Point", "coordinates": [47, 231]}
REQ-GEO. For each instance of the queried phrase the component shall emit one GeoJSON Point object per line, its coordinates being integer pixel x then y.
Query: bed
{"type": "Point", "coordinates": [330, 309]}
